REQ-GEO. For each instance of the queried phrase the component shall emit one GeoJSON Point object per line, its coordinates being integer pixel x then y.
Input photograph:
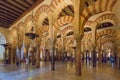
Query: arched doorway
{"type": "Point", "coordinates": [2, 48]}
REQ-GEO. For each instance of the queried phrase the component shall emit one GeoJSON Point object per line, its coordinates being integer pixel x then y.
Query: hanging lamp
{"type": "Point", "coordinates": [32, 35]}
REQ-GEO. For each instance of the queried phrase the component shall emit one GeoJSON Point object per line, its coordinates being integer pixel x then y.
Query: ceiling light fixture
{"type": "Point", "coordinates": [32, 35]}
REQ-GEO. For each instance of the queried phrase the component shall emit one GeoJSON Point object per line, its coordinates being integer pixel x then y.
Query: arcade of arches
{"type": "Point", "coordinates": [77, 29]}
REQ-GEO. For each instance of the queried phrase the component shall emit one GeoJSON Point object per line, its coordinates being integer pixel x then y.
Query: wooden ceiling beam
{"type": "Point", "coordinates": [31, 6]}
{"type": "Point", "coordinates": [10, 8]}
{"type": "Point", "coordinates": [13, 5]}
{"type": "Point", "coordinates": [20, 4]}
{"type": "Point", "coordinates": [3, 26]}
{"type": "Point", "coordinates": [27, 2]}
{"type": "Point", "coordinates": [31, 1]}
{"type": "Point", "coordinates": [4, 22]}
{"type": "Point", "coordinates": [7, 14]}
{"type": "Point", "coordinates": [9, 11]}
{"type": "Point", "coordinates": [5, 18]}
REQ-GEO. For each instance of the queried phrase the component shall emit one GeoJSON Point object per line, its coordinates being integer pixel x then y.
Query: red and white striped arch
{"type": "Point", "coordinates": [28, 23]}
{"type": "Point", "coordinates": [56, 6]}
{"type": "Point", "coordinates": [87, 36]}
{"type": "Point", "coordinates": [98, 7]}
{"type": "Point", "coordinates": [40, 16]}
{"type": "Point", "coordinates": [107, 40]}
{"type": "Point", "coordinates": [69, 38]}
{"type": "Point", "coordinates": [63, 20]}
{"type": "Point", "coordinates": [28, 19]}
{"type": "Point", "coordinates": [105, 32]}
{"type": "Point", "coordinates": [108, 17]}
{"type": "Point", "coordinates": [21, 26]}
{"type": "Point", "coordinates": [108, 46]}
{"type": "Point", "coordinates": [43, 29]}
{"type": "Point", "coordinates": [21, 29]}
{"type": "Point", "coordinates": [44, 9]}
{"type": "Point", "coordinates": [67, 29]}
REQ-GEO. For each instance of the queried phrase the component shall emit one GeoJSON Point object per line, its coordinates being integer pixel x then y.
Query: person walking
{"type": "Point", "coordinates": [17, 62]}
{"type": "Point", "coordinates": [27, 63]}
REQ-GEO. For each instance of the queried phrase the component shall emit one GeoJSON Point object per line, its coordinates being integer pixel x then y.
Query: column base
{"type": "Point", "coordinates": [37, 65]}
{"type": "Point", "coordinates": [78, 69]}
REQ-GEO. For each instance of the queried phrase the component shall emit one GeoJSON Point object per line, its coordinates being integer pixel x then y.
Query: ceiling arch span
{"type": "Point", "coordinates": [21, 28]}
{"type": "Point", "coordinates": [14, 37]}
{"type": "Point", "coordinates": [20, 33]}
{"type": "Point", "coordinates": [28, 19]}
{"type": "Point", "coordinates": [105, 32]}
{"type": "Point", "coordinates": [44, 9]}
{"type": "Point", "coordinates": [108, 45]}
{"type": "Point", "coordinates": [7, 34]}
{"type": "Point", "coordinates": [63, 21]}
{"type": "Point", "coordinates": [43, 29]}
{"type": "Point", "coordinates": [67, 29]}
{"type": "Point", "coordinates": [97, 7]}
{"type": "Point", "coordinates": [69, 38]}
{"type": "Point", "coordinates": [107, 40]}
{"type": "Point", "coordinates": [108, 17]}
{"type": "Point", "coordinates": [69, 33]}
{"type": "Point", "coordinates": [56, 6]}
{"type": "Point", "coordinates": [87, 36]}
{"type": "Point", "coordinates": [41, 16]}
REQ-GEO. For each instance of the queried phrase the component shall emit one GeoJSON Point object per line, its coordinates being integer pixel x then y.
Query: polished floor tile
{"type": "Point", "coordinates": [64, 71]}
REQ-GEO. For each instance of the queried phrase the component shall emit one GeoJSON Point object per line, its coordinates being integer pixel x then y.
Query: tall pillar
{"type": "Point", "coordinates": [10, 55]}
{"type": "Point", "coordinates": [94, 31]}
{"type": "Point", "coordinates": [63, 47]}
{"type": "Point", "coordinates": [8, 58]}
{"type": "Point", "coordinates": [100, 54]}
{"type": "Point", "coordinates": [13, 55]}
{"type": "Point", "coordinates": [118, 60]}
{"type": "Point", "coordinates": [115, 53]}
{"type": "Point", "coordinates": [117, 46]}
{"type": "Point", "coordinates": [38, 57]}
{"type": "Point", "coordinates": [45, 49]}
{"type": "Point", "coordinates": [78, 32]}
{"type": "Point", "coordinates": [34, 55]}
{"type": "Point", "coordinates": [52, 41]}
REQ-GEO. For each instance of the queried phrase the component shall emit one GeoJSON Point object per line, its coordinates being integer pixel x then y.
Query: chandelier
{"type": "Point", "coordinates": [32, 35]}
{"type": "Point", "coordinates": [5, 45]}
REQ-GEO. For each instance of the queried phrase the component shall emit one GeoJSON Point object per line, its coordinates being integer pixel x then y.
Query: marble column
{"type": "Point", "coordinates": [38, 57]}
{"type": "Point", "coordinates": [52, 44]}
{"type": "Point", "coordinates": [6, 55]}
{"type": "Point", "coordinates": [94, 32]}
{"type": "Point", "coordinates": [100, 52]}
{"type": "Point", "coordinates": [118, 56]}
{"type": "Point", "coordinates": [116, 38]}
{"type": "Point", "coordinates": [115, 53]}
{"type": "Point", "coordinates": [13, 55]}
{"type": "Point", "coordinates": [9, 54]}
{"type": "Point", "coordinates": [63, 47]}
{"type": "Point", "coordinates": [78, 33]}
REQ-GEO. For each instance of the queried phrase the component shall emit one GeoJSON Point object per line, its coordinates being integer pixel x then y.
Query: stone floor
{"type": "Point", "coordinates": [64, 71]}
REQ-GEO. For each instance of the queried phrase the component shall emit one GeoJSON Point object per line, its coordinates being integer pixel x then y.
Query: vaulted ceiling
{"type": "Point", "coordinates": [11, 10]}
